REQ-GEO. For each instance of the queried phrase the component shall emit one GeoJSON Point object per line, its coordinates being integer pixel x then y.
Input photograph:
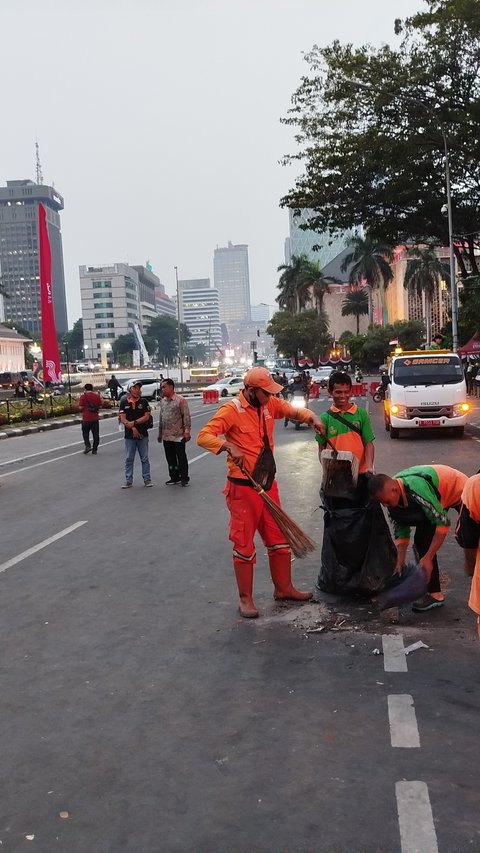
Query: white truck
{"type": "Point", "coordinates": [426, 389]}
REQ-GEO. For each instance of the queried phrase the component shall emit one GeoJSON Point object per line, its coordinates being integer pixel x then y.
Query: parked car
{"type": "Point", "coordinates": [227, 387]}
{"type": "Point", "coordinates": [321, 376]}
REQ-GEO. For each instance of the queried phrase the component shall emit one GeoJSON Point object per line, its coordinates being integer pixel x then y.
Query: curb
{"type": "Point", "coordinates": [15, 432]}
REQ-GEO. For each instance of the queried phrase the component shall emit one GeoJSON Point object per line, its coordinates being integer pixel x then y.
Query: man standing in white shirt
{"type": "Point", "coordinates": [174, 426]}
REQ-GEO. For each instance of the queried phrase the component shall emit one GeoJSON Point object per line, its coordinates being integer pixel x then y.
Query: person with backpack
{"type": "Point", "coordinates": [420, 497]}
{"type": "Point", "coordinates": [90, 402]}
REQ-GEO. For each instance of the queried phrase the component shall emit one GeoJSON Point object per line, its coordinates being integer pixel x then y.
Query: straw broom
{"type": "Point", "coordinates": [299, 542]}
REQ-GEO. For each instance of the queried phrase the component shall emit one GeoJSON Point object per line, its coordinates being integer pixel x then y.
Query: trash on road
{"type": "Point", "coordinates": [413, 648]}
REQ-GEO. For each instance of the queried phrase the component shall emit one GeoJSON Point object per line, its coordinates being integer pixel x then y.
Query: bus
{"type": "Point", "coordinates": [204, 375]}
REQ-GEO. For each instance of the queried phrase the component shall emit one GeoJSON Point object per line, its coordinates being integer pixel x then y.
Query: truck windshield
{"type": "Point", "coordinates": [421, 370]}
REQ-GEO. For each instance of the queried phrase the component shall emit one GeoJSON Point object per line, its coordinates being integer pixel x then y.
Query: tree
{"type": "Point", "coordinates": [161, 338]}
{"type": "Point", "coordinates": [305, 333]}
{"type": "Point", "coordinates": [369, 262]}
{"type": "Point", "coordinates": [74, 338]}
{"type": "Point", "coordinates": [422, 275]}
{"type": "Point", "coordinates": [469, 309]}
{"type": "Point", "coordinates": [122, 348]}
{"type": "Point", "coordinates": [198, 352]}
{"type": "Point", "coordinates": [355, 305]}
{"type": "Point", "coordinates": [293, 294]}
{"type": "Point", "coordinates": [376, 158]}
{"type": "Point", "coordinates": [371, 349]}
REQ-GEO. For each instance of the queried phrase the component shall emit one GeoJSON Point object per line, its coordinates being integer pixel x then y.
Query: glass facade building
{"type": "Point", "coordinates": [19, 257]}
{"type": "Point", "coordinates": [232, 280]}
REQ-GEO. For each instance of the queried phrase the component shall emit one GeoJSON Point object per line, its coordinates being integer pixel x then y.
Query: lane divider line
{"type": "Point", "coordinates": [403, 721]}
{"type": "Point", "coordinates": [394, 657]}
{"type": "Point", "coordinates": [40, 546]}
{"type": "Point", "coordinates": [417, 829]}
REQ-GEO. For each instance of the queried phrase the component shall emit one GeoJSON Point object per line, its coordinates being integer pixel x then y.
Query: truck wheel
{"type": "Point", "coordinates": [394, 432]}
{"type": "Point", "coordinates": [459, 432]}
{"type": "Point", "coordinates": [297, 425]}
{"type": "Point", "coordinates": [387, 425]}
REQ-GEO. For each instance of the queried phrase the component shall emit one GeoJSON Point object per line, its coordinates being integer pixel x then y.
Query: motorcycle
{"type": "Point", "coordinates": [379, 394]}
{"type": "Point", "coordinates": [299, 400]}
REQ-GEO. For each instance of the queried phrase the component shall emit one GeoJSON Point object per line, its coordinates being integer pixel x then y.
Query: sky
{"type": "Point", "coordinates": [159, 122]}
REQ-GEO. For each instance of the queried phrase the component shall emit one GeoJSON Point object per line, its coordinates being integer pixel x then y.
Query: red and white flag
{"type": "Point", "coordinates": [51, 357]}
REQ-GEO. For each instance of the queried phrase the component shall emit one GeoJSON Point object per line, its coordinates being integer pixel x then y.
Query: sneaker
{"type": "Point", "coordinates": [184, 483]}
{"type": "Point", "coordinates": [127, 485]}
{"type": "Point", "coordinates": [148, 484]}
{"type": "Point", "coordinates": [172, 482]}
{"type": "Point", "coordinates": [427, 603]}
{"type": "Point", "coordinates": [94, 452]}
{"type": "Point", "coordinates": [87, 450]}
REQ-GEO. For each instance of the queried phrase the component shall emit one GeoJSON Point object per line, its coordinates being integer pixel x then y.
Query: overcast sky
{"type": "Point", "coordinates": [158, 121]}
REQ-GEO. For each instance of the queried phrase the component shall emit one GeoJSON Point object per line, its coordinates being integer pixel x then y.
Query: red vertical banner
{"type": "Point", "coordinates": [51, 357]}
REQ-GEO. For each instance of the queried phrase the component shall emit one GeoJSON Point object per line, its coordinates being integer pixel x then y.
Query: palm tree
{"type": "Point", "coordinates": [370, 262]}
{"type": "Point", "coordinates": [423, 273]}
{"type": "Point", "coordinates": [301, 282]}
{"type": "Point", "coordinates": [293, 294]}
{"type": "Point", "coordinates": [355, 304]}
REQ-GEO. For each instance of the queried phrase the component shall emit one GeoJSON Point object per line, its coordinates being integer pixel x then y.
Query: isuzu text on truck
{"type": "Point", "coordinates": [426, 389]}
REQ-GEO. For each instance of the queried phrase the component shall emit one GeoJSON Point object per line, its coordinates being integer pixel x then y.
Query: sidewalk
{"type": "Point", "coordinates": [54, 423]}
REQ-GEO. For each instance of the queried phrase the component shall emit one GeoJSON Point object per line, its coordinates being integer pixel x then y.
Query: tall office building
{"type": "Point", "coordinates": [231, 279]}
{"type": "Point", "coordinates": [199, 310]}
{"type": "Point", "coordinates": [148, 283]}
{"type": "Point", "coordinates": [302, 241]}
{"type": "Point", "coordinates": [19, 258]}
{"type": "Point", "coordinates": [163, 303]}
{"type": "Point", "coordinates": [110, 306]}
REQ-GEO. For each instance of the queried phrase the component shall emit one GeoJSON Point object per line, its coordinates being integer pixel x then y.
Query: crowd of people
{"type": "Point", "coordinates": [418, 497]}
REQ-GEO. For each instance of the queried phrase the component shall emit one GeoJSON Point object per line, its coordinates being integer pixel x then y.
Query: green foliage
{"type": "Point", "coordinates": [301, 283]}
{"type": "Point", "coordinates": [375, 157]}
{"type": "Point", "coordinates": [355, 304]}
{"type": "Point", "coordinates": [161, 338]}
{"type": "Point", "coordinates": [370, 262]}
{"type": "Point", "coordinates": [122, 348]}
{"type": "Point", "coordinates": [197, 352]}
{"type": "Point", "coordinates": [469, 309]}
{"type": "Point", "coordinates": [294, 333]}
{"type": "Point", "coordinates": [74, 340]}
{"type": "Point", "coordinates": [371, 349]}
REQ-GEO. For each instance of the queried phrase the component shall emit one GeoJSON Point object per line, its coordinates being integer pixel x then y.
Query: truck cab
{"type": "Point", "coordinates": [426, 389]}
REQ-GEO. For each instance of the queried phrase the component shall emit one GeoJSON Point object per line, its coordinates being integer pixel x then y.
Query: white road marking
{"type": "Point", "coordinates": [200, 456]}
{"type": "Point", "coordinates": [394, 659]}
{"type": "Point", "coordinates": [417, 830]}
{"type": "Point", "coordinates": [403, 721]}
{"type": "Point", "coordinates": [44, 544]}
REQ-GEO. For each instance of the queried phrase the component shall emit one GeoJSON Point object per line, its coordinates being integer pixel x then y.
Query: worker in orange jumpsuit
{"type": "Point", "coordinates": [467, 535]}
{"type": "Point", "coordinates": [247, 423]}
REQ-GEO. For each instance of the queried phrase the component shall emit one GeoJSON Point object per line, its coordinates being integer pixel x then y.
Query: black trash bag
{"type": "Point", "coordinates": [358, 552]}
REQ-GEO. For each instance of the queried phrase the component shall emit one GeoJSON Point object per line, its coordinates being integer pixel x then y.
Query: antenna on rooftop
{"type": "Point", "coordinates": [38, 165]}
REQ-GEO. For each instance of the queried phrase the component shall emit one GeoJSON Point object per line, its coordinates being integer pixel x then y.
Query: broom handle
{"type": "Point", "coordinates": [255, 485]}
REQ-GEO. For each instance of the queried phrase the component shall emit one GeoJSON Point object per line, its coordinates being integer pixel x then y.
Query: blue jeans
{"type": "Point", "coordinates": [131, 446]}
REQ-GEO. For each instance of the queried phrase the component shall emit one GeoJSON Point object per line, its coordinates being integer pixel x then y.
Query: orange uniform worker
{"type": "Point", "coordinates": [247, 423]}
{"type": "Point", "coordinates": [468, 537]}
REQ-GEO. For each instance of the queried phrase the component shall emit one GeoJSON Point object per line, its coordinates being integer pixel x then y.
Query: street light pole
{"type": "Point", "coordinates": [453, 281]}
{"type": "Point", "coordinates": [180, 353]}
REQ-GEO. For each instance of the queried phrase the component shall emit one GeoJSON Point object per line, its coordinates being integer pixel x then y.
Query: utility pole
{"type": "Point", "coordinates": [180, 352]}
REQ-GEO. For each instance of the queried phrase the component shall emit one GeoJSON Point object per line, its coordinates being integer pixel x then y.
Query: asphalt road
{"type": "Point", "coordinates": [139, 713]}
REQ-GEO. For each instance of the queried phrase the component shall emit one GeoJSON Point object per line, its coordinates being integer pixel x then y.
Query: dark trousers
{"type": "Point", "coordinates": [424, 533]}
{"type": "Point", "coordinates": [177, 462]}
{"type": "Point", "coordinates": [93, 427]}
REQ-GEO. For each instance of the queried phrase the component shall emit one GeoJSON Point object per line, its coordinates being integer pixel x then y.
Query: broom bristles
{"type": "Point", "coordinates": [299, 542]}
